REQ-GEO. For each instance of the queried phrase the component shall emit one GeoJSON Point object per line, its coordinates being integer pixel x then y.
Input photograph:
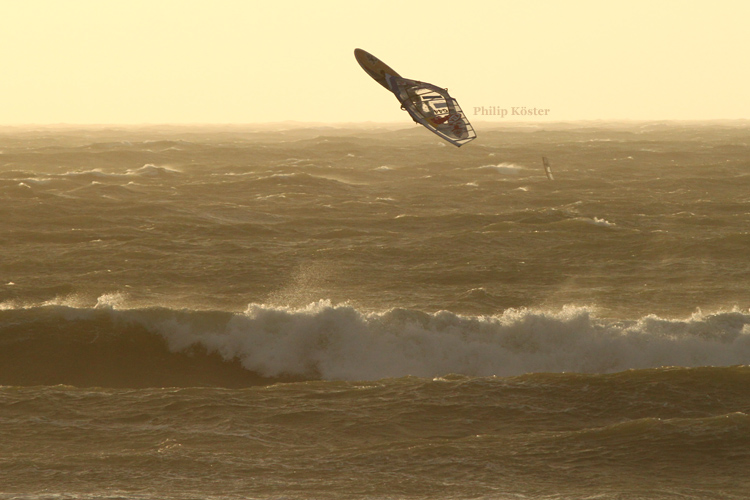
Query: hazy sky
{"type": "Point", "coordinates": [232, 61]}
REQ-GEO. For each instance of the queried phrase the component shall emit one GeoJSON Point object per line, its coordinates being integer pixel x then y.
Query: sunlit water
{"type": "Point", "coordinates": [332, 313]}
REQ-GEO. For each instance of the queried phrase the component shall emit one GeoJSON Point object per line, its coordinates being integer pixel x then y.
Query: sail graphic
{"type": "Point", "coordinates": [434, 108]}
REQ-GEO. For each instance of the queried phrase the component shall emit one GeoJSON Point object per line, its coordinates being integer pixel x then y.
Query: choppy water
{"type": "Point", "coordinates": [332, 313]}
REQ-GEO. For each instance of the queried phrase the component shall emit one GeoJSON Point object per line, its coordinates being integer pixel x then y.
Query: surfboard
{"type": "Point", "coordinates": [374, 67]}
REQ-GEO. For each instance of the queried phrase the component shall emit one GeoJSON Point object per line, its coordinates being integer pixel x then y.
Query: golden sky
{"type": "Point", "coordinates": [232, 61]}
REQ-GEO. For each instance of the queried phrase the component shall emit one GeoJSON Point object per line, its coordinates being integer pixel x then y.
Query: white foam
{"type": "Point", "coordinates": [340, 342]}
{"type": "Point", "coordinates": [150, 170]}
{"type": "Point", "coordinates": [111, 301]}
{"type": "Point", "coordinates": [596, 221]}
{"type": "Point", "coordinates": [505, 168]}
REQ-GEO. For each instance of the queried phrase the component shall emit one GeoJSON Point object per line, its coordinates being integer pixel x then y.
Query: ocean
{"type": "Point", "coordinates": [366, 312]}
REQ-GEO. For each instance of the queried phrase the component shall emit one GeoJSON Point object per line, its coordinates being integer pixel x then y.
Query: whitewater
{"type": "Point", "coordinates": [360, 312]}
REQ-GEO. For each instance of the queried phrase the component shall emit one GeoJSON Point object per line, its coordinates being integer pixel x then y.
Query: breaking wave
{"type": "Point", "coordinates": [107, 346]}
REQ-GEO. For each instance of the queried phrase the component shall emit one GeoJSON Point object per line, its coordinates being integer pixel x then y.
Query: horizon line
{"type": "Point", "coordinates": [364, 123]}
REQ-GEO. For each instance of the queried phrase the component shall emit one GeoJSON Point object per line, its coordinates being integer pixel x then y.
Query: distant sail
{"type": "Point", "coordinates": [547, 169]}
{"type": "Point", "coordinates": [434, 108]}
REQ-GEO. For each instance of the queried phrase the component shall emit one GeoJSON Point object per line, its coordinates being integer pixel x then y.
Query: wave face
{"type": "Point", "coordinates": [157, 347]}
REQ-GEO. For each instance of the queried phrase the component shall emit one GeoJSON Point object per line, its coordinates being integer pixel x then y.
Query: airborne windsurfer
{"type": "Point", "coordinates": [427, 104]}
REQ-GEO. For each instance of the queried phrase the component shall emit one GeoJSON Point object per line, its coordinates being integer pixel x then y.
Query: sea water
{"type": "Point", "coordinates": [367, 312]}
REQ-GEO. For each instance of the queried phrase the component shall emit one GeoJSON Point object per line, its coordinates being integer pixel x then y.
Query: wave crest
{"type": "Point", "coordinates": [339, 342]}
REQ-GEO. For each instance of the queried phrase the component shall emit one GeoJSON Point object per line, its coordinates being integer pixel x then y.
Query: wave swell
{"type": "Point", "coordinates": [107, 346]}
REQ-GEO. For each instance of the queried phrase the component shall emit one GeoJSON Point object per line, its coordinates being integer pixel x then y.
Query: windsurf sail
{"type": "Point", "coordinates": [547, 168]}
{"type": "Point", "coordinates": [374, 67]}
{"type": "Point", "coordinates": [434, 108]}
